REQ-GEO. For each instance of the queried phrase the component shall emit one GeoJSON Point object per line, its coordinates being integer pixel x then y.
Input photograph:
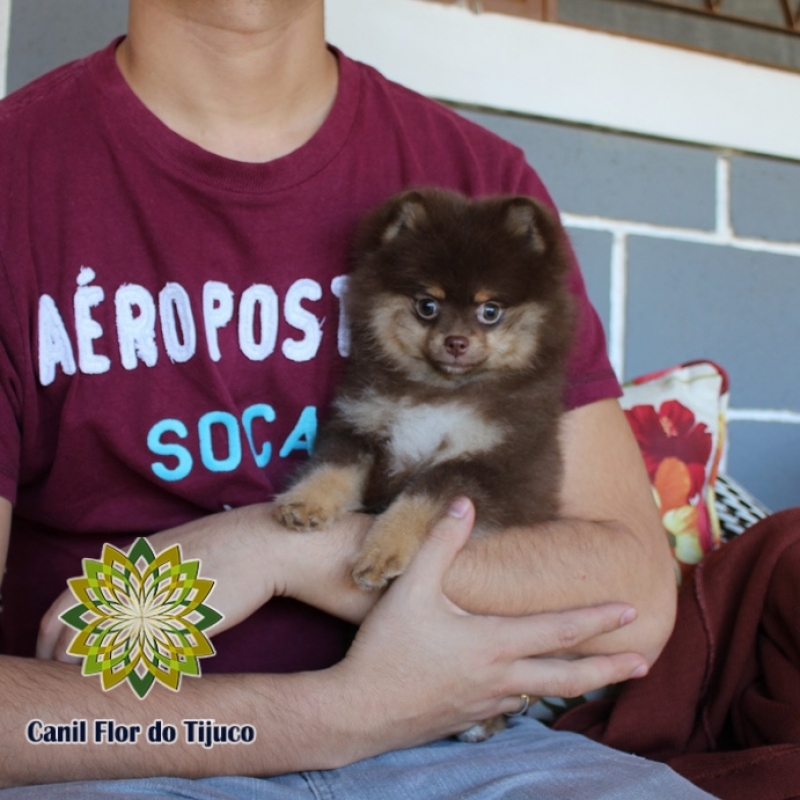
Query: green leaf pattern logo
{"type": "Point", "coordinates": [140, 617]}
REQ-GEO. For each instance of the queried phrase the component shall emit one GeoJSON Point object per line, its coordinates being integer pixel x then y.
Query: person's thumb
{"type": "Point", "coordinates": [444, 541]}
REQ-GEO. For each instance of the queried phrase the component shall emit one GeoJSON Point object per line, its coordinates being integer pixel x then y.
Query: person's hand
{"type": "Point", "coordinates": [234, 549]}
{"type": "Point", "coordinates": [421, 668]}
{"type": "Point", "coordinates": [251, 559]}
{"type": "Point", "coordinates": [229, 551]}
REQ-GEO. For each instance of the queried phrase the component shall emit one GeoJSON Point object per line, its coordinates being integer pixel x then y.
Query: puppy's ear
{"type": "Point", "coordinates": [524, 217]}
{"type": "Point", "coordinates": [408, 214]}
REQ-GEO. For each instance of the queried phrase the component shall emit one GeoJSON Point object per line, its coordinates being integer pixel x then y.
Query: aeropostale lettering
{"type": "Point", "coordinates": [77, 342]}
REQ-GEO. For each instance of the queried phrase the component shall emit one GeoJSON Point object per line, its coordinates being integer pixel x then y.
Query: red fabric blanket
{"type": "Point", "coordinates": [722, 704]}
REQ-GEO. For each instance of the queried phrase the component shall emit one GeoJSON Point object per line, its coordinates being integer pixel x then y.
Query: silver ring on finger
{"type": "Point", "coordinates": [524, 705]}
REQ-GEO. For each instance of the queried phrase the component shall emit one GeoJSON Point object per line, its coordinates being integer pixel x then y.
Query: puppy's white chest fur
{"type": "Point", "coordinates": [421, 433]}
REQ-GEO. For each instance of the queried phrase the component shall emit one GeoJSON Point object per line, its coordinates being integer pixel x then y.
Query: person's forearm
{"type": "Point", "coordinates": [283, 711]}
{"type": "Point", "coordinates": [560, 565]}
{"type": "Point", "coordinates": [570, 564]}
{"type": "Point", "coordinates": [556, 566]}
{"type": "Point", "coordinates": [251, 558]}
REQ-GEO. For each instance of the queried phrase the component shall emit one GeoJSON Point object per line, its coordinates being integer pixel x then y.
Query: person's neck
{"type": "Point", "coordinates": [250, 81]}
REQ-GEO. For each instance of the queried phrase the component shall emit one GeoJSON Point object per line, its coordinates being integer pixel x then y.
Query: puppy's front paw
{"type": "Point", "coordinates": [377, 565]}
{"type": "Point", "coordinates": [302, 514]}
{"type": "Point", "coordinates": [321, 497]}
{"type": "Point", "coordinates": [394, 540]}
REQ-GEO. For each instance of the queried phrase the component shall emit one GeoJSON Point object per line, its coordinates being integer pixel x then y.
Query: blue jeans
{"type": "Point", "coordinates": [528, 760]}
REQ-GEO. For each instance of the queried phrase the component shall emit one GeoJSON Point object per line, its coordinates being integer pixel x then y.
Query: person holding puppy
{"type": "Point", "coordinates": [179, 210]}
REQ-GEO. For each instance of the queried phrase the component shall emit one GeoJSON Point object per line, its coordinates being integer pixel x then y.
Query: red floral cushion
{"type": "Point", "coordinates": [678, 418]}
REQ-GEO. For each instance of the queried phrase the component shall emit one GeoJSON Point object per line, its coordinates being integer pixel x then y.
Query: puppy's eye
{"type": "Point", "coordinates": [427, 308]}
{"type": "Point", "coordinates": [489, 313]}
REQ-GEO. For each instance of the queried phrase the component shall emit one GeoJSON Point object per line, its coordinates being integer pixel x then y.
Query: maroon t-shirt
{"type": "Point", "coordinates": [170, 332]}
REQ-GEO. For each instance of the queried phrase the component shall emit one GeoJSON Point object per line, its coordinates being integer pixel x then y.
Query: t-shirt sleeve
{"type": "Point", "coordinates": [590, 376]}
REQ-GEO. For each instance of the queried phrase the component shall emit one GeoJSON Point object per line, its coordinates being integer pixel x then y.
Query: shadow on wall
{"type": "Point", "coordinates": [46, 35]}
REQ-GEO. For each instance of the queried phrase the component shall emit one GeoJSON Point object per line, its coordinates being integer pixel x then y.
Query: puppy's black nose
{"type": "Point", "coordinates": [456, 345]}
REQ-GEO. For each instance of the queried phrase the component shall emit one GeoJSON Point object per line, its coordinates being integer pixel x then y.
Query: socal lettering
{"type": "Point", "coordinates": [174, 442]}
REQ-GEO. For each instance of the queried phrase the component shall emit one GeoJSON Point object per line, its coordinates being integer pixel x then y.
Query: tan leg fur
{"type": "Point", "coordinates": [322, 497]}
{"type": "Point", "coordinates": [394, 540]}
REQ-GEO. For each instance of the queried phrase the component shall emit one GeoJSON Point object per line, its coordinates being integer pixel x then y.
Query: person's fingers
{"type": "Point", "coordinates": [60, 652]}
{"type": "Point", "coordinates": [443, 543]}
{"type": "Point", "coordinates": [559, 631]}
{"type": "Point", "coordinates": [554, 677]}
{"type": "Point", "coordinates": [56, 636]}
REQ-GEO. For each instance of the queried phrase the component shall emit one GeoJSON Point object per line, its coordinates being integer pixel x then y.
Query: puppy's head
{"type": "Point", "coordinates": [448, 289]}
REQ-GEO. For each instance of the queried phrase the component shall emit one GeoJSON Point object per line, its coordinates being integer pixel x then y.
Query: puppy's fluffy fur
{"type": "Point", "coordinates": [460, 327]}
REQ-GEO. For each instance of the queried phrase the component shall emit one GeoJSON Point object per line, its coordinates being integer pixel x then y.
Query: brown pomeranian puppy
{"type": "Point", "coordinates": [460, 323]}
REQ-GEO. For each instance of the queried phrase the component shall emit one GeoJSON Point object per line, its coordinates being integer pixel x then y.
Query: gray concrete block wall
{"type": "Point", "coordinates": [766, 455]}
{"type": "Point", "coordinates": [765, 198]}
{"type": "Point", "coordinates": [46, 35]}
{"type": "Point", "coordinates": [601, 173]}
{"type": "Point", "coordinates": [735, 307]}
{"type": "Point", "coordinates": [689, 253]}
{"type": "Point", "coordinates": [593, 251]}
